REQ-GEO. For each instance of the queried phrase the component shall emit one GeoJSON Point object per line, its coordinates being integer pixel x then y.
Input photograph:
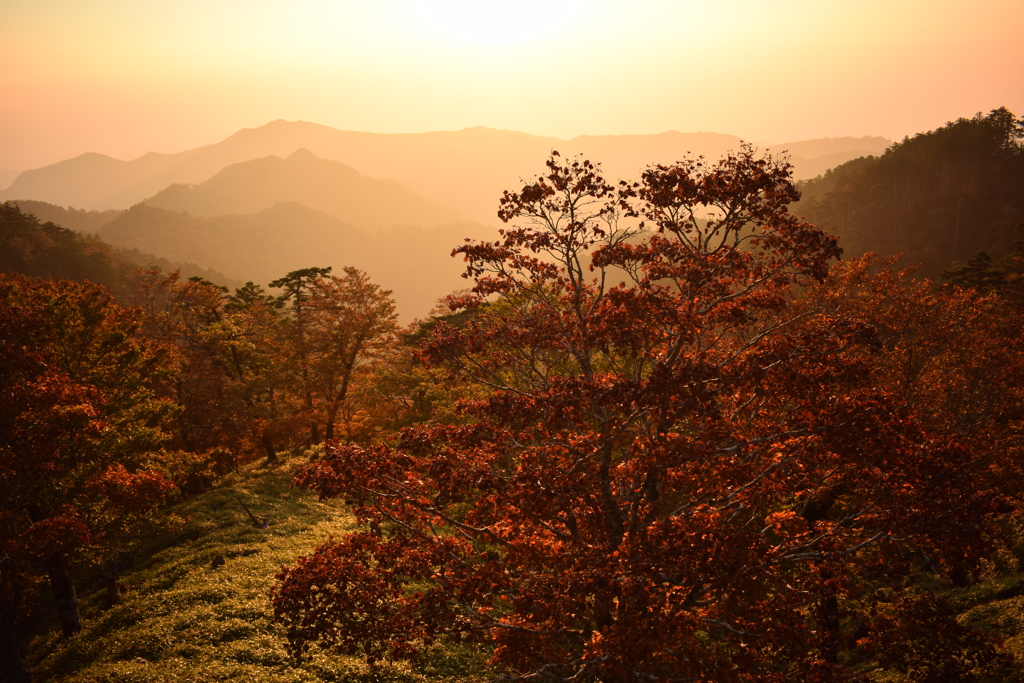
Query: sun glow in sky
{"type": "Point", "coordinates": [124, 77]}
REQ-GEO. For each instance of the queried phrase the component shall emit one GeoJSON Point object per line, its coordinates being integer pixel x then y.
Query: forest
{"type": "Point", "coordinates": [707, 423]}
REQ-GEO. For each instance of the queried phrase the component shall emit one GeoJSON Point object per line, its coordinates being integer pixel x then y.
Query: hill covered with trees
{"type": "Point", "coordinates": [937, 197]}
{"type": "Point", "coordinates": [51, 251]}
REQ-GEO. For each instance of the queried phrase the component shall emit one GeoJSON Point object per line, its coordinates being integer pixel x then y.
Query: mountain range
{"type": "Point", "coordinates": [465, 170]}
{"type": "Point", "coordinates": [291, 195]}
{"type": "Point", "coordinates": [413, 262]}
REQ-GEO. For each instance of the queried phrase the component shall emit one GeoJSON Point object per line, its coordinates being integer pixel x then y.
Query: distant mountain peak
{"type": "Point", "coordinates": [302, 154]}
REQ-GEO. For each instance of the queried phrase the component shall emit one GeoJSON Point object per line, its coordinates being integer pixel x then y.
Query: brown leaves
{"type": "Point", "coordinates": [79, 422]}
{"type": "Point", "coordinates": [350, 595]}
{"type": "Point", "coordinates": [668, 477]}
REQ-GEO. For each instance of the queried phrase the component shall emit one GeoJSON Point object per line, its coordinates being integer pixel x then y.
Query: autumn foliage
{"type": "Point", "coordinates": [695, 456]}
{"type": "Point", "coordinates": [109, 412]}
{"type": "Point", "coordinates": [80, 427]}
{"type": "Point", "coordinates": [667, 435]}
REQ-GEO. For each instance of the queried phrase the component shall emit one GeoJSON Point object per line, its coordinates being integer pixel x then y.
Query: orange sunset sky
{"type": "Point", "coordinates": [124, 77]}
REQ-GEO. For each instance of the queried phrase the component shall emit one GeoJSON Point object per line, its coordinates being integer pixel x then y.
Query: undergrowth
{"type": "Point", "coordinates": [183, 619]}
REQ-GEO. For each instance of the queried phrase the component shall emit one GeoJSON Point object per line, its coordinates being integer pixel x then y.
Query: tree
{"type": "Point", "coordinates": [952, 356]}
{"type": "Point", "coordinates": [678, 476]}
{"type": "Point", "coordinates": [225, 350]}
{"type": "Point", "coordinates": [351, 322]}
{"type": "Point", "coordinates": [399, 389]}
{"type": "Point", "coordinates": [979, 272]}
{"type": "Point", "coordinates": [253, 347]}
{"type": "Point", "coordinates": [296, 290]}
{"type": "Point", "coordinates": [79, 437]}
{"type": "Point", "coordinates": [337, 325]}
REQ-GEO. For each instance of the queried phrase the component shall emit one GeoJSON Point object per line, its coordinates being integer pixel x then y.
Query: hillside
{"type": "Point", "coordinates": [466, 170]}
{"type": "Point", "coordinates": [47, 250]}
{"type": "Point", "coordinates": [79, 220]}
{"type": "Point", "coordinates": [320, 184]}
{"type": "Point", "coordinates": [184, 620]}
{"type": "Point", "coordinates": [413, 262]}
{"type": "Point", "coordinates": [938, 197]}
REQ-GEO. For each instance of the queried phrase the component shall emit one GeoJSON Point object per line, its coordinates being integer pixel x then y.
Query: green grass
{"type": "Point", "coordinates": [994, 607]}
{"type": "Point", "coordinates": [183, 620]}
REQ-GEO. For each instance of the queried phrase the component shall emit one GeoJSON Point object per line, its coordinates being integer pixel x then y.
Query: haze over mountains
{"type": "Point", "coordinates": [329, 186]}
{"type": "Point", "coordinates": [413, 262]}
{"type": "Point", "coordinates": [465, 170]}
{"type": "Point", "coordinates": [291, 195]}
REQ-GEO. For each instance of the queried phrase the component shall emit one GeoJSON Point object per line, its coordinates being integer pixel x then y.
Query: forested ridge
{"type": "Point", "coordinates": [938, 197]}
{"type": "Point", "coordinates": [51, 250]}
{"type": "Point", "coordinates": [671, 431]}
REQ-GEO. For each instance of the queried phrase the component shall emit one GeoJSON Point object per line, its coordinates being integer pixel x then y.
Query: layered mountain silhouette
{"type": "Point", "coordinates": [328, 186]}
{"type": "Point", "coordinates": [465, 170]}
{"type": "Point", "coordinates": [291, 195]}
{"type": "Point", "coordinates": [413, 262]}
{"type": "Point", "coordinates": [257, 220]}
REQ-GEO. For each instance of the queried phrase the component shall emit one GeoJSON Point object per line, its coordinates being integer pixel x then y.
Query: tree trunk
{"type": "Point", "coordinates": [829, 619]}
{"type": "Point", "coordinates": [332, 415]}
{"type": "Point", "coordinates": [64, 595]}
{"type": "Point", "coordinates": [314, 432]}
{"type": "Point", "coordinates": [113, 590]}
{"type": "Point", "coordinates": [268, 446]}
{"type": "Point", "coordinates": [11, 668]}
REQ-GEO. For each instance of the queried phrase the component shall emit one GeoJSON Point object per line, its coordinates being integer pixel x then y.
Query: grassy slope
{"type": "Point", "coordinates": [184, 621]}
{"type": "Point", "coordinates": [996, 608]}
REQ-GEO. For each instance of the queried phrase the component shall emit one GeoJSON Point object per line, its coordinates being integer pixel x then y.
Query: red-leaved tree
{"type": "Point", "coordinates": [80, 419]}
{"type": "Point", "coordinates": [676, 474]}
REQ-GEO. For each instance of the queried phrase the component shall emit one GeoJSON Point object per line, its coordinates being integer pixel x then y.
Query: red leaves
{"type": "Point", "coordinates": [79, 412]}
{"type": "Point", "coordinates": [60, 536]}
{"type": "Point", "coordinates": [139, 492]}
{"type": "Point", "coordinates": [350, 595]}
{"type": "Point", "coordinates": [670, 477]}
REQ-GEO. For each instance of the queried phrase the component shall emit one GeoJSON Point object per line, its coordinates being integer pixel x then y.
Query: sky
{"type": "Point", "coordinates": [126, 77]}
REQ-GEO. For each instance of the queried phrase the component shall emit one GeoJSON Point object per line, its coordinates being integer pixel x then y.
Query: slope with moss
{"type": "Point", "coordinates": [186, 619]}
